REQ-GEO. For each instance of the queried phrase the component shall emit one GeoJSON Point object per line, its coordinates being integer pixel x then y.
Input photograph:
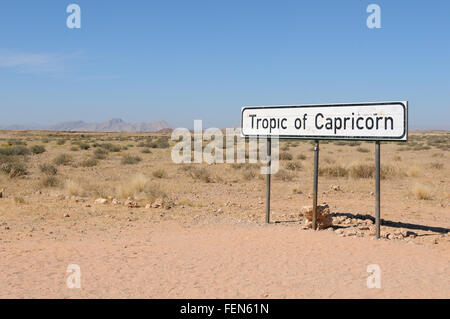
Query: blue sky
{"type": "Point", "coordinates": [184, 60]}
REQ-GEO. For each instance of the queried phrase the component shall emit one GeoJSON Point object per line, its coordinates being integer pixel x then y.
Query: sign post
{"type": "Point", "coordinates": [377, 188]}
{"type": "Point", "coordinates": [374, 121]}
{"type": "Point", "coordinates": [269, 168]}
{"type": "Point", "coordinates": [316, 184]}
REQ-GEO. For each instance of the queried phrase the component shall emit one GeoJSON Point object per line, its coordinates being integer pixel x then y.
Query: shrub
{"type": "Point", "coordinates": [368, 171]}
{"type": "Point", "coordinates": [159, 173]}
{"type": "Point", "coordinates": [100, 153]}
{"type": "Point", "coordinates": [50, 181]}
{"type": "Point", "coordinates": [249, 174]}
{"type": "Point", "coordinates": [301, 157]}
{"type": "Point", "coordinates": [437, 165]}
{"type": "Point", "coordinates": [48, 169]}
{"type": "Point", "coordinates": [333, 171]}
{"type": "Point", "coordinates": [362, 171]}
{"type": "Point", "coordinates": [284, 175]}
{"type": "Point", "coordinates": [363, 150]}
{"type": "Point", "coordinates": [130, 159]}
{"type": "Point", "coordinates": [294, 166]}
{"type": "Point", "coordinates": [14, 169]}
{"type": "Point", "coordinates": [111, 147]}
{"type": "Point", "coordinates": [61, 142]}
{"type": "Point", "coordinates": [413, 172]}
{"type": "Point", "coordinates": [84, 146]}
{"type": "Point", "coordinates": [74, 188]}
{"type": "Point", "coordinates": [421, 192]}
{"type": "Point", "coordinates": [63, 159]}
{"type": "Point", "coordinates": [146, 151]}
{"type": "Point", "coordinates": [201, 174]}
{"type": "Point", "coordinates": [14, 151]}
{"type": "Point", "coordinates": [285, 156]}
{"type": "Point", "coordinates": [140, 184]}
{"type": "Point", "coordinates": [38, 149]}
{"type": "Point", "coordinates": [90, 162]}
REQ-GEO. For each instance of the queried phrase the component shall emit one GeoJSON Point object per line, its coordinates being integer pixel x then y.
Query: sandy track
{"type": "Point", "coordinates": [223, 260]}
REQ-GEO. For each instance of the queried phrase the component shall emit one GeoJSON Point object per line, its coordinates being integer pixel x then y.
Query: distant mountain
{"type": "Point", "coordinates": [113, 125]}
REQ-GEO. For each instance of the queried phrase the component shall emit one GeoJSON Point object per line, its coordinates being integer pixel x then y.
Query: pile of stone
{"type": "Point", "coordinates": [324, 219]}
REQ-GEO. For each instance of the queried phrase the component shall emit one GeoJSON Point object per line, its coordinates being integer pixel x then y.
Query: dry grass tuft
{"type": "Point", "coordinates": [335, 170]}
{"type": "Point", "coordinates": [413, 171]}
{"type": "Point", "coordinates": [422, 192]}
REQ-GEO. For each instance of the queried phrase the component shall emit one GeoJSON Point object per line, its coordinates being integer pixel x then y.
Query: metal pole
{"type": "Point", "coordinates": [316, 181]}
{"type": "Point", "coordinates": [377, 188]}
{"type": "Point", "coordinates": [269, 165]}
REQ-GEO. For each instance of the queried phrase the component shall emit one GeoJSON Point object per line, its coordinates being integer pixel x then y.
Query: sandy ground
{"type": "Point", "coordinates": [220, 258]}
{"type": "Point", "coordinates": [213, 242]}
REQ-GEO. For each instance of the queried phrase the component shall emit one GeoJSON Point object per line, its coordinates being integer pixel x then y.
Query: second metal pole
{"type": "Point", "coordinates": [377, 188]}
{"type": "Point", "coordinates": [316, 181]}
{"type": "Point", "coordinates": [269, 169]}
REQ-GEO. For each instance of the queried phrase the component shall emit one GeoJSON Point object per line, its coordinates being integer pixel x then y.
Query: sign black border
{"type": "Point", "coordinates": [331, 137]}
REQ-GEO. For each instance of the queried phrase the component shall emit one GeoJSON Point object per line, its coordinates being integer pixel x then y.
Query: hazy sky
{"type": "Point", "coordinates": [185, 60]}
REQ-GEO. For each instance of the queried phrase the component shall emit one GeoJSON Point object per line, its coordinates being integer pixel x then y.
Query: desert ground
{"type": "Point", "coordinates": [140, 226]}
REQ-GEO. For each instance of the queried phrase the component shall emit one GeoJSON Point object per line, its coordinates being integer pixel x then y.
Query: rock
{"type": "Point", "coordinates": [148, 206]}
{"type": "Point", "coordinates": [131, 203]}
{"type": "Point", "coordinates": [350, 232]}
{"type": "Point", "coordinates": [336, 188]}
{"type": "Point", "coordinates": [339, 231]}
{"type": "Point", "coordinates": [66, 215]}
{"type": "Point", "coordinates": [163, 203]}
{"type": "Point", "coordinates": [101, 201]}
{"type": "Point", "coordinates": [116, 201]}
{"type": "Point", "coordinates": [364, 228]}
{"type": "Point", "coordinates": [1, 192]}
{"type": "Point", "coordinates": [324, 219]}
{"type": "Point", "coordinates": [157, 203]}
{"type": "Point", "coordinates": [219, 211]}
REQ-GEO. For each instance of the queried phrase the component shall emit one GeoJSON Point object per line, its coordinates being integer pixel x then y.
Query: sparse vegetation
{"type": "Point", "coordinates": [37, 149]}
{"type": "Point", "coordinates": [130, 159]}
{"type": "Point", "coordinates": [159, 173]}
{"type": "Point", "coordinates": [89, 162]}
{"type": "Point", "coordinates": [334, 170]}
{"type": "Point", "coordinates": [48, 169]}
{"type": "Point", "coordinates": [50, 181]}
{"type": "Point", "coordinates": [421, 192]}
{"type": "Point", "coordinates": [14, 169]}
{"type": "Point", "coordinates": [63, 159]}
{"type": "Point", "coordinates": [286, 156]}
{"type": "Point", "coordinates": [294, 166]}
{"type": "Point", "coordinates": [284, 175]}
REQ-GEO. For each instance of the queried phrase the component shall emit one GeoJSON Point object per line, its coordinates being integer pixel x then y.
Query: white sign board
{"type": "Point", "coordinates": [354, 121]}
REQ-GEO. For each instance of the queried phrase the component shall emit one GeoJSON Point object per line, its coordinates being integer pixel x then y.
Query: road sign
{"type": "Point", "coordinates": [352, 121]}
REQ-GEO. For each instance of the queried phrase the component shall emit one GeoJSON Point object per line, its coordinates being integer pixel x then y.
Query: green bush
{"type": "Point", "coordinates": [37, 149]}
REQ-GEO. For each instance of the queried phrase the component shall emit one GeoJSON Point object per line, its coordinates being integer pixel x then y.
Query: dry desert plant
{"type": "Point", "coordinates": [422, 192]}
